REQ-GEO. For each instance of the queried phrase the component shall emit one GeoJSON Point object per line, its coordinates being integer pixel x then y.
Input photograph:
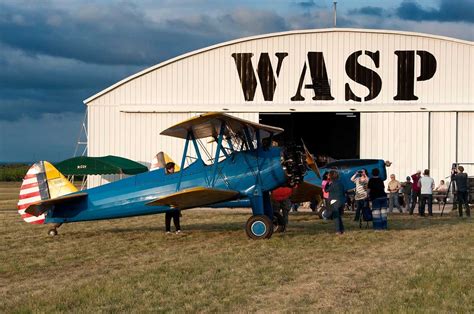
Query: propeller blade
{"type": "Point", "coordinates": [310, 161]}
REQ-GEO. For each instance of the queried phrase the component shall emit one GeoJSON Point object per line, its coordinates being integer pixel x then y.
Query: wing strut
{"type": "Point", "coordinates": [218, 149]}
{"type": "Point", "coordinates": [183, 160]}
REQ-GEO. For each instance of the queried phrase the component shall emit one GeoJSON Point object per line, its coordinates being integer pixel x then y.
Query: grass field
{"type": "Point", "coordinates": [130, 265]}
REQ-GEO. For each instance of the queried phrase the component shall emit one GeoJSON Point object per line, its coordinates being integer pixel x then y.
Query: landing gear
{"type": "Point", "coordinates": [278, 223]}
{"type": "Point", "coordinates": [259, 227]}
{"type": "Point", "coordinates": [54, 232]}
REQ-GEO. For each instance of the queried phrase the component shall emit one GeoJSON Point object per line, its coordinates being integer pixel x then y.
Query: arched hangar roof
{"type": "Point", "coordinates": [181, 58]}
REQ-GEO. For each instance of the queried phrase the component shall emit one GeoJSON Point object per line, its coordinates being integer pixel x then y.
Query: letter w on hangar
{"type": "Point", "coordinates": [349, 93]}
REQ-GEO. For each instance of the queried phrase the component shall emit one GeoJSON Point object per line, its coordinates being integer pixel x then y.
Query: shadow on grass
{"type": "Point", "coordinates": [305, 223]}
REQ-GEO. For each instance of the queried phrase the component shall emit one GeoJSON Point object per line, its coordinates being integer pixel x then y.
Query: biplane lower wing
{"type": "Point", "coordinates": [305, 192]}
{"type": "Point", "coordinates": [195, 197]}
{"type": "Point", "coordinates": [38, 208]}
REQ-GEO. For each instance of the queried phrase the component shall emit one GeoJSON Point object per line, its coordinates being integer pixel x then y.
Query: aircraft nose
{"type": "Point", "coordinates": [293, 162]}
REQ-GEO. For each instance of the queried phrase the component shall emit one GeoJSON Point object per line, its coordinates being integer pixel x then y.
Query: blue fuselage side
{"type": "Point", "coordinates": [128, 197]}
{"type": "Point", "coordinates": [347, 168]}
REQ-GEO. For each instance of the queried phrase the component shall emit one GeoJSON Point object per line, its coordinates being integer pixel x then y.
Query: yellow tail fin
{"type": "Point", "coordinates": [41, 182]}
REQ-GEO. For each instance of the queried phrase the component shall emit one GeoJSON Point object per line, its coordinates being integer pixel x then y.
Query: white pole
{"type": "Point", "coordinates": [335, 13]}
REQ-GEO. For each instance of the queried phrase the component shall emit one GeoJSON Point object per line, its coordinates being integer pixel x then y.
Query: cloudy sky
{"type": "Point", "coordinates": [54, 54]}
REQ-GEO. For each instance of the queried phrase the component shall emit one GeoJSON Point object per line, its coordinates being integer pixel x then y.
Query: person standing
{"type": "Point", "coordinates": [337, 199]}
{"type": "Point", "coordinates": [406, 190]}
{"type": "Point", "coordinates": [426, 184]}
{"type": "Point", "coordinates": [174, 214]}
{"type": "Point", "coordinates": [462, 186]}
{"type": "Point", "coordinates": [393, 188]}
{"type": "Point", "coordinates": [281, 204]}
{"type": "Point", "coordinates": [379, 200]}
{"type": "Point", "coordinates": [325, 194]}
{"type": "Point", "coordinates": [361, 181]}
{"type": "Point", "coordinates": [415, 192]}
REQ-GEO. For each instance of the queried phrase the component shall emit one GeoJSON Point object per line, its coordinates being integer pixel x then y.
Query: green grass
{"type": "Point", "coordinates": [130, 265]}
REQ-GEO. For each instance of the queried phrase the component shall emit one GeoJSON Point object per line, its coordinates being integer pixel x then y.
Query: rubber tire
{"type": "Point", "coordinates": [278, 223]}
{"type": "Point", "coordinates": [52, 232]}
{"type": "Point", "coordinates": [320, 212]}
{"type": "Point", "coordinates": [267, 223]}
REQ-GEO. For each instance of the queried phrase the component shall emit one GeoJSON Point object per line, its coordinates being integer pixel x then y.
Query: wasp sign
{"type": "Point", "coordinates": [315, 66]}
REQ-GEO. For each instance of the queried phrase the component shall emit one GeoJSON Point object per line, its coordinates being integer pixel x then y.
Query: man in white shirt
{"type": "Point", "coordinates": [427, 185]}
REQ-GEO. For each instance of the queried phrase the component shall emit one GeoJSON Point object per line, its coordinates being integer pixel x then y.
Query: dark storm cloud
{"type": "Point", "coordinates": [307, 4]}
{"type": "Point", "coordinates": [448, 11]}
{"type": "Point", "coordinates": [20, 70]}
{"type": "Point", "coordinates": [31, 85]}
{"type": "Point", "coordinates": [52, 59]}
{"type": "Point", "coordinates": [369, 10]}
{"type": "Point", "coordinates": [117, 33]}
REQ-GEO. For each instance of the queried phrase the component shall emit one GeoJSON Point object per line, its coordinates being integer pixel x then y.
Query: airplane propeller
{"type": "Point", "coordinates": [310, 160]}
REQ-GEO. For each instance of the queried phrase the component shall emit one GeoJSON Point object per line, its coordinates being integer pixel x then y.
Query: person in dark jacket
{"type": "Point", "coordinates": [379, 200]}
{"type": "Point", "coordinates": [462, 187]}
{"type": "Point", "coordinates": [336, 199]}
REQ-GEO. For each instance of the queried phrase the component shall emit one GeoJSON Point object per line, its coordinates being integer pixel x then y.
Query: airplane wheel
{"type": "Point", "coordinates": [259, 227]}
{"type": "Point", "coordinates": [53, 232]}
{"type": "Point", "coordinates": [278, 223]}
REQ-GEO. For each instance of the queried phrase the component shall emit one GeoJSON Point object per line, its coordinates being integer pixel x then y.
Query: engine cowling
{"type": "Point", "coordinates": [293, 161]}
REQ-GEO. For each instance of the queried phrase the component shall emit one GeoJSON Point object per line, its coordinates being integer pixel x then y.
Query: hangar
{"type": "Point", "coordinates": [349, 93]}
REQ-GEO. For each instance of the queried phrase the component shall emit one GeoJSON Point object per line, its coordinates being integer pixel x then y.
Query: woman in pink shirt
{"type": "Point", "coordinates": [325, 194]}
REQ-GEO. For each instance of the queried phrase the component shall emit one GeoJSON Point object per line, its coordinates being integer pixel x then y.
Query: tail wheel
{"type": "Point", "coordinates": [259, 227]}
{"type": "Point", "coordinates": [278, 223]}
{"type": "Point", "coordinates": [52, 232]}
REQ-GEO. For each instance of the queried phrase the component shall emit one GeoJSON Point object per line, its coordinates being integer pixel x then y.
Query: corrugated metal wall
{"type": "Point", "coordinates": [416, 141]}
{"type": "Point", "coordinates": [466, 140]}
{"type": "Point", "coordinates": [400, 137]}
{"type": "Point", "coordinates": [442, 144]}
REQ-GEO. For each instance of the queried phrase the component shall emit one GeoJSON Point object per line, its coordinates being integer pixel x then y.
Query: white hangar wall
{"type": "Point", "coordinates": [126, 118]}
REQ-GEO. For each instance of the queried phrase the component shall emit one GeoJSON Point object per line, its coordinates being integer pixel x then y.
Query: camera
{"type": "Point", "coordinates": [359, 172]}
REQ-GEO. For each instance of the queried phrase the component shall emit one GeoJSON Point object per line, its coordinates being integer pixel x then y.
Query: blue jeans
{"type": "Point", "coordinates": [393, 201]}
{"type": "Point", "coordinates": [337, 208]}
{"type": "Point", "coordinates": [379, 213]}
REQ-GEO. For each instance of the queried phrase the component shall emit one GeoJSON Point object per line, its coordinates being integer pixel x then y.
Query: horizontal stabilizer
{"type": "Point", "coordinates": [305, 192]}
{"type": "Point", "coordinates": [194, 197]}
{"type": "Point", "coordinates": [38, 208]}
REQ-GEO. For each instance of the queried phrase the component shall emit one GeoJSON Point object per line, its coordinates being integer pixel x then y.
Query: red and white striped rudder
{"type": "Point", "coordinates": [33, 189]}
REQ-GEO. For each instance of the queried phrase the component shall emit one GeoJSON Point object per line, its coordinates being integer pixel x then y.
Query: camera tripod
{"type": "Point", "coordinates": [451, 184]}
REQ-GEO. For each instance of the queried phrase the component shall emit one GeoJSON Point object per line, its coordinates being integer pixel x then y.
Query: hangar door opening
{"type": "Point", "coordinates": [326, 134]}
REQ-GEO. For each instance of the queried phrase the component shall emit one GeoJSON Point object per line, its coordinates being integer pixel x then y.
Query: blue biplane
{"type": "Point", "coordinates": [244, 169]}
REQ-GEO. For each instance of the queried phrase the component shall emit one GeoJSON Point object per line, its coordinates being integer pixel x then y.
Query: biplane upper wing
{"type": "Point", "coordinates": [194, 197]}
{"type": "Point", "coordinates": [208, 125]}
{"type": "Point", "coordinates": [305, 192]}
{"type": "Point", "coordinates": [38, 208]}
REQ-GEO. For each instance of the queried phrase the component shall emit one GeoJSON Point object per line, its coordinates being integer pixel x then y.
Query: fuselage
{"type": "Point", "coordinates": [128, 197]}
